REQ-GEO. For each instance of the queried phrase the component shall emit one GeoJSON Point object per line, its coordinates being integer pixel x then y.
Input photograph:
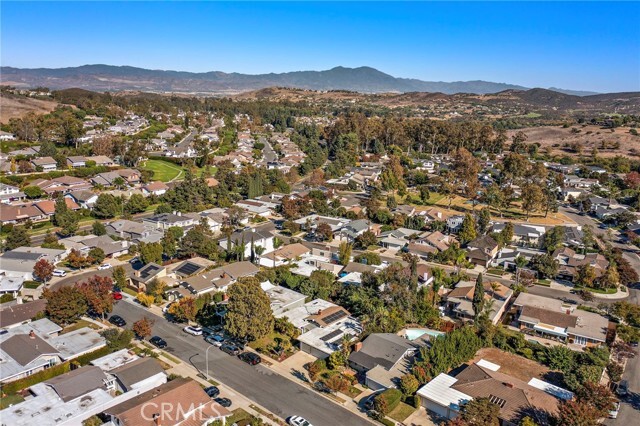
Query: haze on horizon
{"type": "Point", "coordinates": [574, 45]}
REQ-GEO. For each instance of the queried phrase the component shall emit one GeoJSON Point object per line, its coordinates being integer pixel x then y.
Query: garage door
{"type": "Point", "coordinates": [437, 408]}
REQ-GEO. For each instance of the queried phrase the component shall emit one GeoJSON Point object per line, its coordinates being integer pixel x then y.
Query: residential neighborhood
{"type": "Point", "coordinates": [339, 247]}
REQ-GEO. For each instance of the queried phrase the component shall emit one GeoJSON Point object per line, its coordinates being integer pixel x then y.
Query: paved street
{"type": "Point", "coordinates": [278, 394]}
{"type": "Point", "coordinates": [629, 405]}
{"type": "Point", "coordinates": [269, 155]}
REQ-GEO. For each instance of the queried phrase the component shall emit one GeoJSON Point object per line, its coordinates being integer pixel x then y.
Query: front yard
{"type": "Point", "coordinates": [401, 412]}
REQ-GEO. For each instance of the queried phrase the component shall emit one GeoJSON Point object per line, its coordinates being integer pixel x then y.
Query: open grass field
{"type": "Point", "coordinates": [163, 170]}
{"type": "Point", "coordinates": [18, 106]}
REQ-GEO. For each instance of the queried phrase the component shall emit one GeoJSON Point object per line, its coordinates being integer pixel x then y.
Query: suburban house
{"type": "Point", "coordinates": [454, 223]}
{"type": "Point", "coordinates": [19, 263]}
{"type": "Point", "coordinates": [35, 346]}
{"type": "Point", "coordinates": [257, 207]}
{"type": "Point", "coordinates": [15, 314]}
{"type": "Point", "coordinates": [9, 193]}
{"type": "Point", "coordinates": [523, 235]}
{"type": "Point", "coordinates": [445, 395]}
{"type": "Point", "coordinates": [101, 160]}
{"type": "Point", "coordinates": [324, 327]}
{"type": "Point", "coordinates": [555, 319]}
{"type": "Point", "coordinates": [482, 251]}
{"type": "Point", "coordinates": [353, 229]}
{"type": "Point", "coordinates": [570, 261]}
{"type": "Point", "coordinates": [165, 221]}
{"type": "Point", "coordinates": [84, 198]}
{"type": "Point", "coordinates": [291, 253]}
{"type": "Point", "coordinates": [133, 231]}
{"type": "Point", "coordinates": [143, 276]}
{"type": "Point", "coordinates": [259, 237]}
{"type": "Point", "coordinates": [397, 238]}
{"type": "Point", "coordinates": [11, 286]}
{"type": "Point", "coordinates": [155, 188]}
{"type": "Point", "coordinates": [76, 161]}
{"type": "Point", "coordinates": [46, 164]}
{"type": "Point", "coordinates": [84, 243]}
{"type": "Point", "coordinates": [309, 223]}
{"type": "Point", "coordinates": [383, 358]}
{"type": "Point", "coordinates": [17, 214]}
{"type": "Point", "coordinates": [218, 279]}
{"type": "Point", "coordinates": [282, 299]}
{"type": "Point", "coordinates": [460, 300]}
{"type": "Point", "coordinates": [183, 402]}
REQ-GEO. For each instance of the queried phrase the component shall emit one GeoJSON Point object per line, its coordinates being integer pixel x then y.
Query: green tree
{"type": "Point", "coordinates": [33, 192]}
{"type": "Point", "coordinates": [586, 276]}
{"type": "Point", "coordinates": [344, 253]}
{"type": "Point", "coordinates": [409, 384]}
{"type": "Point", "coordinates": [545, 264]}
{"type": "Point", "coordinates": [553, 239]}
{"type": "Point", "coordinates": [532, 198]}
{"type": "Point", "coordinates": [484, 217]}
{"type": "Point", "coordinates": [18, 237]}
{"type": "Point", "coordinates": [98, 228]}
{"type": "Point", "coordinates": [478, 298]}
{"type": "Point", "coordinates": [107, 206]}
{"type": "Point", "coordinates": [96, 255]}
{"type": "Point", "coordinates": [65, 305]}
{"type": "Point", "coordinates": [249, 314]}
{"type": "Point", "coordinates": [136, 204]}
{"type": "Point", "coordinates": [366, 239]}
{"type": "Point", "coordinates": [150, 252]}
{"type": "Point", "coordinates": [184, 309]}
{"type": "Point", "coordinates": [468, 230]}
{"type": "Point", "coordinates": [506, 235]}
{"type": "Point", "coordinates": [51, 242]}
{"type": "Point", "coordinates": [119, 276]}
{"type": "Point", "coordinates": [481, 412]}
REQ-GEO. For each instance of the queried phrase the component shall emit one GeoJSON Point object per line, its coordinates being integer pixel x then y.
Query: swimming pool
{"type": "Point", "coordinates": [415, 333]}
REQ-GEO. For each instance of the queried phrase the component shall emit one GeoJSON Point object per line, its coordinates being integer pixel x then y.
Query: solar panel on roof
{"type": "Point", "coordinates": [187, 269]}
{"type": "Point", "coordinates": [331, 336]}
{"type": "Point", "coordinates": [148, 271]}
{"type": "Point", "coordinates": [329, 319]}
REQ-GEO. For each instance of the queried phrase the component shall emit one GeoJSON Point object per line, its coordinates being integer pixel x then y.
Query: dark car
{"type": "Point", "coordinates": [212, 391]}
{"type": "Point", "coordinates": [230, 349]}
{"type": "Point", "coordinates": [158, 342]}
{"type": "Point", "coordinates": [240, 344]}
{"type": "Point", "coordinates": [250, 358]}
{"type": "Point", "coordinates": [225, 402]}
{"type": "Point", "coordinates": [117, 320]}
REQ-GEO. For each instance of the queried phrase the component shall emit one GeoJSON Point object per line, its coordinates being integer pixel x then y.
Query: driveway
{"type": "Point", "coordinates": [277, 394]}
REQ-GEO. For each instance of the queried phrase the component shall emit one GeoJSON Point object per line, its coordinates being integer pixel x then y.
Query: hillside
{"type": "Point", "coordinates": [12, 106]}
{"type": "Point", "coordinates": [118, 78]}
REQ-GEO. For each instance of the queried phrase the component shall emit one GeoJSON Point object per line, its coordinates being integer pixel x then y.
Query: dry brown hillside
{"type": "Point", "coordinates": [561, 140]}
{"type": "Point", "coordinates": [17, 106]}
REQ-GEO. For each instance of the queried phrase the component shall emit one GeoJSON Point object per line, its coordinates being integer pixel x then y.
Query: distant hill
{"type": "Point", "coordinates": [119, 78]}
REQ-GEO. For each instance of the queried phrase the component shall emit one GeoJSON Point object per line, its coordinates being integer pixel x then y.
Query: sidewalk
{"type": "Point", "coordinates": [238, 400]}
{"type": "Point", "coordinates": [293, 369]}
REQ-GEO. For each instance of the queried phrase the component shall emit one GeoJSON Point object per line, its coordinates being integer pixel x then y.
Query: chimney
{"type": "Point", "coordinates": [509, 385]}
{"type": "Point", "coordinates": [357, 347]}
{"type": "Point", "coordinates": [32, 335]}
{"type": "Point", "coordinates": [156, 419]}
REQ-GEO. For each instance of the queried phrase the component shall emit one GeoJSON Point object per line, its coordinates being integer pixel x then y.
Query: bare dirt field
{"type": "Point", "coordinates": [560, 139]}
{"type": "Point", "coordinates": [511, 364]}
{"type": "Point", "coordinates": [15, 107]}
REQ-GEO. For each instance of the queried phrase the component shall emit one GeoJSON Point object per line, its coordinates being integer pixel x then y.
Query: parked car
{"type": "Point", "coordinates": [215, 340]}
{"type": "Point", "coordinates": [240, 344]}
{"type": "Point", "coordinates": [59, 273]}
{"type": "Point", "coordinates": [250, 358]}
{"type": "Point", "coordinates": [158, 342]}
{"type": "Point", "coordinates": [117, 295]}
{"type": "Point", "coordinates": [212, 391]}
{"type": "Point", "coordinates": [613, 414]}
{"type": "Point", "coordinates": [207, 331]}
{"type": "Point", "coordinates": [195, 331]}
{"type": "Point", "coordinates": [117, 320]}
{"type": "Point", "coordinates": [230, 349]}
{"type": "Point", "coordinates": [298, 421]}
{"type": "Point", "coordinates": [104, 266]}
{"type": "Point", "coordinates": [225, 402]}
{"type": "Point", "coordinates": [623, 388]}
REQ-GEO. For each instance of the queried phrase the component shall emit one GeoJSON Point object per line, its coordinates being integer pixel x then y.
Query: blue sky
{"type": "Point", "coordinates": [588, 46]}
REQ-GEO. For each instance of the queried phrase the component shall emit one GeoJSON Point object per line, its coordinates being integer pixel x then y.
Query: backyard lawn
{"type": "Point", "coordinates": [163, 170]}
{"type": "Point", "coordinates": [401, 412]}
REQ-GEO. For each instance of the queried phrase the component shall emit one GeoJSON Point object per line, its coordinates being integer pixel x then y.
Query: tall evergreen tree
{"type": "Point", "coordinates": [478, 298]}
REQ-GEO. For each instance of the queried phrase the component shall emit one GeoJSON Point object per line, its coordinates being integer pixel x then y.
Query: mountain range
{"type": "Point", "coordinates": [361, 79]}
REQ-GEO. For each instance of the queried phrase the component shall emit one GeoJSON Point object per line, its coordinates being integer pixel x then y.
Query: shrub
{"type": "Point", "coordinates": [316, 367]}
{"type": "Point", "coordinates": [38, 377]}
{"type": "Point", "coordinates": [387, 401]}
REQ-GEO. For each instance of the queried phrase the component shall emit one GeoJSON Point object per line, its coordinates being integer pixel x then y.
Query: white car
{"type": "Point", "coordinates": [104, 266]}
{"type": "Point", "coordinates": [195, 331]}
{"type": "Point", "coordinates": [59, 273]}
{"type": "Point", "coordinates": [613, 414]}
{"type": "Point", "coordinates": [298, 421]}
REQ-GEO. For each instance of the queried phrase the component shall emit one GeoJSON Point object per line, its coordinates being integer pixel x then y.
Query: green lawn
{"type": "Point", "coordinates": [602, 291]}
{"type": "Point", "coordinates": [401, 412]}
{"type": "Point", "coordinates": [163, 170]}
{"type": "Point", "coordinates": [10, 400]}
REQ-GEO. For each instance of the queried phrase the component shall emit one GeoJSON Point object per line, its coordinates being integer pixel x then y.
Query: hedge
{"type": "Point", "coordinates": [38, 377]}
{"type": "Point", "coordinates": [54, 371]}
